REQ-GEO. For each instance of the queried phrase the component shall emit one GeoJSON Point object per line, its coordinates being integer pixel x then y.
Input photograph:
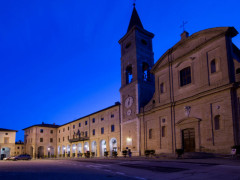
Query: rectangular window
{"type": "Point", "coordinates": [185, 76]}
{"type": "Point", "coordinates": [59, 140]}
{"type": "Point", "coordinates": [59, 131]}
{"type": "Point", "coordinates": [86, 133]}
{"type": "Point", "coordinates": [163, 131]}
{"type": "Point", "coordinates": [6, 133]}
{"type": "Point", "coordinates": [6, 140]}
{"type": "Point", "coordinates": [79, 124]}
{"type": "Point", "coordinates": [161, 88]}
{"type": "Point", "coordinates": [51, 131]}
{"type": "Point", "coordinates": [102, 130]}
{"type": "Point", "coordinates": [102, 118]}
{"type": "Point", "coordinates": [51, 140]}
{"type": "Point", "coordinates": [63, 129]}
{"type": "Point", "coordinates": [31, 139]}
{"type": "Point", "coordinates": [112, 128]}
{"type": "Point", "coordinates": [41, 139]}
{"type": "Point", "coordinates": [150, 134]}
{"type": "Point", "coordinates": [63, 139]}
{"type": "Point", "coordinates": [85, 122]}
{"type": "Point", "coordinates": [93, 120]}
{"type": "Point", "coordinates": [112, 115]}
{"type": "Point", "coordinates": [73, 126]}
{"type": "Point", "coordinates": [68, 127]}
{"type": "Point", "coordinates": [68, 137]}
{"type": "Point", "coordinates": [93, 132]}
{"type": "Point", "coordinates": [41, 130]}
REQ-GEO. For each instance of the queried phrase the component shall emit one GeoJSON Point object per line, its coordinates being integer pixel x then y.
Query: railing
{"type": "Point", "coordinates": [78, 139]}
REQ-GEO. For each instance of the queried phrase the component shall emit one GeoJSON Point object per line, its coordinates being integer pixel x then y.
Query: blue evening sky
{"type": "Point", "coordinates": [60, 59]}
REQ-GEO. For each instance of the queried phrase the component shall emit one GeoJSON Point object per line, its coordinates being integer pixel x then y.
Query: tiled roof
{"type": "Point", "coordinates": [43, 125]}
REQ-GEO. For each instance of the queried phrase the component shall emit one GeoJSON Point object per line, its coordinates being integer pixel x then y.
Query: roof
{"type": "Point", "coordinates": [56, 126]}
{"type": "Point", "coordinates": [43, 125]}
{"type": "Point", "coordinates": [116, 104]}
{"type": "Point", "coordinates": [2, 129]}
{"type": "Point", "coordinates": [135, 20]}
{"type": "Point", "coordinates": [228, 31]}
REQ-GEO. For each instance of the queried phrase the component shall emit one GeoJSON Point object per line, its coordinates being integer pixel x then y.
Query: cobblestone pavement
{"type": "Point", "coordinates": [134, 168]}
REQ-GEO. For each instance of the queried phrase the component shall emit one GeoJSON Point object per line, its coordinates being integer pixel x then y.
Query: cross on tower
{"type": "Point", "coordinates": [183, 25]}
{"type": "Point", "coordinates": [134, 3]}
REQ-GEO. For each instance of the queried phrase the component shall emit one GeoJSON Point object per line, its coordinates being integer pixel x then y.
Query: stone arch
{"type": "Point", "coordinates": [112, 145]}
{"type": "Point", "coordinates": [63, 151]}
{"type": "Point", "coordinates": [68, 150]}
{"type": "Point", "coordinates": [41, 152]}
{"type": "Point", "coordinates": [79, 148]}
{"type": "Point", "coordinates": [86, 147]}
{"type": "Point", "coordinates": [50, 151]}
{"type": "Point", "coordinates": [103, 147]}
{"type": "Point", "coordinates": [94, 147]}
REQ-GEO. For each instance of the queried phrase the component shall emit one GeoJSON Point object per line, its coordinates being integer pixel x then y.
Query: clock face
{"type": "Point", "coordinates": [128, 102]}
{"type": "Point", "coordinates": [129, 112]}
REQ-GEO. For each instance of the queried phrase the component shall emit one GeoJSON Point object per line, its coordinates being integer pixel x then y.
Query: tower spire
{"type": "Point", "coordinates": [135, 20]}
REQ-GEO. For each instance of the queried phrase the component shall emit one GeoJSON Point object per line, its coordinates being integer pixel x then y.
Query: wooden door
{"type": "Point", "coordinates": [188, 136]}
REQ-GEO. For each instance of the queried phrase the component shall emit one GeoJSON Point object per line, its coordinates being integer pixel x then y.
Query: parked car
{"type": "Point", "coordinates": [22, 157]}
{"type": "Point", "coordinates": [9, 158]}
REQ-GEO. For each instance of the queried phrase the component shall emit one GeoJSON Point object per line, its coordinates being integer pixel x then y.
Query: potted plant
{"type": "Point", "coordinates": [237, 147]}
{"type": "Point", "coordinates": [179, 152]}
{"type": "Point", "coordinates": [152, 153]}
{"type": "Point", "coordinates": [147, 153]}
{"type": "Point", "coordinates": [87, 154]}
{"type": "Point", "coordinates": [93, 154]}
{"type": "Point", "coordinates": [114, 154]}
{"type": "Point", "coordinates": [124, 153]}
{"type": "Point", "coordinates": [106, 153]}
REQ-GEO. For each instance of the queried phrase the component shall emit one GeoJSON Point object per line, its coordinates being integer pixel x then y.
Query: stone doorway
{"type": "Point", "coordinates": [188, 139]}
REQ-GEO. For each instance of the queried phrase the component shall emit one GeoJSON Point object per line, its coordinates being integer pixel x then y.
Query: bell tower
{"type": "Point", "coordinates": [137, 84]}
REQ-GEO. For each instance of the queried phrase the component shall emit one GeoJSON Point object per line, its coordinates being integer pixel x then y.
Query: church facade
{"type": "Point", "coordinates": [188, 99]}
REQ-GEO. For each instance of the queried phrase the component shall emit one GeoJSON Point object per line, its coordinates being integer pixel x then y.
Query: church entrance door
{"type": "Point", "coordinates": [188, 137]}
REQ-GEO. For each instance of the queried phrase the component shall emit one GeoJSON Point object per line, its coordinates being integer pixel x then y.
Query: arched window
{"type": "Point", "coordinates": [185, 76]}
{"type": "Point", "coordinates": [217, 122]}
{"type": "Point", "coordinates": [213, 66]}
{"type": "Point", "coordinates": [129, 74]}
{"type": "Point", "coordinates": [146, 73]}
{"type": "Point", "coordinates": [238, 71]}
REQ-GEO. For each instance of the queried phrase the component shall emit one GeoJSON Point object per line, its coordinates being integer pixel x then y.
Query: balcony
{"type": "Point", "coordinates": [78, 139]}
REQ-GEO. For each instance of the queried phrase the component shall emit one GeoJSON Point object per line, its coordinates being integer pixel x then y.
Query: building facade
{"type": "Point", "coordinates": [7, 143]}
{"type": "Point", "coordinates": [188, 99]}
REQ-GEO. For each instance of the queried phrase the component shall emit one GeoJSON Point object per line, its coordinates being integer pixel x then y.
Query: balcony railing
{"type": "Point", "coordinates": [78, 139]}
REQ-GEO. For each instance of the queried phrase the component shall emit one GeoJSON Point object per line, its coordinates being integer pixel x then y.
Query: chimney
{"type": "Point", "coordinates": [184, 35]}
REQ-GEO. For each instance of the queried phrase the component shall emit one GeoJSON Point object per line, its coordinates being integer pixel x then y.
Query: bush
{"type": "Point", "coordinates": [87, 154]}
{"type": "Point", "coordinates": [179, 152]}
{"type": "Point", "coordinates": [114, 154]}
{"type": "Point", "coordinates": [147, 152]}
{"type": "Point", "coordinates": [80, 154]}
{"type": "Point", "coordinates": [237, 147]}
{"type": "Point", "coordinates": [152, 152]}
{"type": "Point", "coordinates": [106, 153]}
{"type": "Point", "coordinates": [93, 154]}
{"type": "Point", "coordinates": [124, 153]}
